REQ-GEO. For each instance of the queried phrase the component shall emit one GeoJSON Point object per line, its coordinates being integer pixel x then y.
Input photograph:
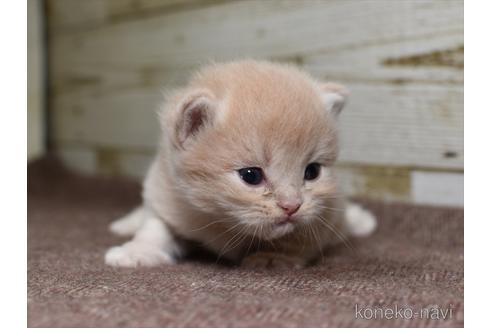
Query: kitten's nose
{"type": "Point", "coordinates": [289, 206]}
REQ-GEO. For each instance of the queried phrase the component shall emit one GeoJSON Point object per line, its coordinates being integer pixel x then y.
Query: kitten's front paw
{"type": "Point", "coordinates": [266, 260]}
{"type": "Point", "coordinates": [133, 254]}
{"type": "Point", "coordinates": [360, 222]}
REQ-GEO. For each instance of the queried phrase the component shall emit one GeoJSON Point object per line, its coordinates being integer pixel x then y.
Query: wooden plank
{"type": "Point", "coordinates": [409, 124]}
{"type": "Point", "coordinates": [78, 158]}
{"type": "Point", "coordinates": [375, 182]}
{"type": "Point", "coordinates": [35, 82]}
{"type": "Point", "coordinates": [268, 29]}
{"type": "Point", "coordinates": [366, 64]}
{"type": "Point", "coordinates": [121, 8]}
{"type": "Point", "coordinates": [105, 160]}
{"type": "Point", "coordinates": [137, 9]}
{"type": "Point", "coordinates": [438, 188]}
{"type": "Point", "coordinates": [124, 120]}
{"type": "Point", "coordinates": [68, 16]}
{"type": "Point", "coordinates": [390, 63]}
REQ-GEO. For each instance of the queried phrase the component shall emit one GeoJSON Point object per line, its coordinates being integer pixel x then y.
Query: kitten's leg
{"type": "Point", "coordinates": [359, 222]}
{"type": "Point", "coordinates": [152, 245]}
{"type": "Point", "coordinates": [129, 224]}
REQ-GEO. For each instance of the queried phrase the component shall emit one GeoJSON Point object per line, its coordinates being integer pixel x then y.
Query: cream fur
{"type": "Point", "coordinates": [232, 116]}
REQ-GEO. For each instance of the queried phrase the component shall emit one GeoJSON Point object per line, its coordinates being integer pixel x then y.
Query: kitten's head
{"type": "Point", "coordinates": [254, 143]}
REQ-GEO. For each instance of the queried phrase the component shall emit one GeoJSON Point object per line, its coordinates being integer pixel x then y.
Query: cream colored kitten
{"type": "Point", "coordinates": [245, 170]}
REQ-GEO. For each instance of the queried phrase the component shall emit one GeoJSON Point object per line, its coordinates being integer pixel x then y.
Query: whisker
{"type": "Point", "coordinates": [312, 232]}
{"type": "Point", "coordinates": [338, 233]}
{"type": "Point", "coordinates": [211, 223]}
{"type": "Point", "coordinates": [233, 240]}
{"type": "Point", "coordinates": [245, 236]}
{"type": "Point", "coordinates": [333, 196]}
{"type": "Point", "coordinates": [222, 233]}
{"type": "Point", "coordinates": [261, 234]}
{"type": "Point", "coordinates": [332, 208]}
{"type": "Point", "coordinates": [252, 238]}
{"type": "Point", "coordinates": [237, 234]}
{"type": "Point", "coordinates": [242, 236]}
{"type": "Point", "coordinates": [273, 245]}
{"type": "Point", "coordinates": [298, 238]}
{"type": "Point", "coordinates": [303, 230]}
{"type": "Point", "coordinates": [316, 237]}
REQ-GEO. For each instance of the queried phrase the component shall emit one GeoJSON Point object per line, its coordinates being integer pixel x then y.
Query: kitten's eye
{"type": "Point", "coordinates": [251, 175]}
{"type": "Point", "coordinates": [312, 171]}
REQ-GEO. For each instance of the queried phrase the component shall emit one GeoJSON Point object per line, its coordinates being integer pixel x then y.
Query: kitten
{"type": "Point", "coordinates": [245, 170]}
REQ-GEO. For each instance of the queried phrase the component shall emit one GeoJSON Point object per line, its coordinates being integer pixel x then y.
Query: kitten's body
{"type": "Point", "coordinates": [243, 115]}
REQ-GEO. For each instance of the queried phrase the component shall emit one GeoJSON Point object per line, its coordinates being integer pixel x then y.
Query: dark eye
{"type": "Point", "coordinates": [312, 171]}
{"type": "Point", "coordinates": [251, 175]}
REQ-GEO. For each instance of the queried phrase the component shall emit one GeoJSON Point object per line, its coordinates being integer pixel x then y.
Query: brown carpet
{"type": "Point", "coordinates": [414, 261]}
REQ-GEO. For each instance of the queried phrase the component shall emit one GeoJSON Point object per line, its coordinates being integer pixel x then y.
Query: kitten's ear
{"type": "Point", "coordinates": [195, 112]}
{"type": "Point", "coordinates": [334, 97]}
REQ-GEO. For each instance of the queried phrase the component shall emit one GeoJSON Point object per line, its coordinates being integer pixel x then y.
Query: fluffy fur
{"type": "Point", "coordinates": [232, 116]}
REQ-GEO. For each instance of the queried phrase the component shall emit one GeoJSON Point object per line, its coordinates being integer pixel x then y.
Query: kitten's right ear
{"type": "Point", "coordinates": [334, 97]}
{"type": "Point", "coordinates": [194, 113]}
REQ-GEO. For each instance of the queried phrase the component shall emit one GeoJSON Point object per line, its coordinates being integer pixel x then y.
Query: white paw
{"type": "Point", "coordinates": [360, 222]}
{"type": "Point", "coordinates": [129, 224]}
{"type": "Point", "coordinates": [133, 254]}
{"type": "Point", "coordinates": [122, 228]}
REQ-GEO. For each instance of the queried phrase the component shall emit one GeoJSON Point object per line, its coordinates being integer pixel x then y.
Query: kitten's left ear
{"type": "Point", "coordinates": [334, 97]}
{"type": "Point", "coordinates": [194, 112]}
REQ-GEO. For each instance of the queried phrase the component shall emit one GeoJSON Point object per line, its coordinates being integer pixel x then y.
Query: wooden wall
{"type": "Point", "coordinates": [35, 81]}
{"type": "Point", "coordinates": [402, 132]}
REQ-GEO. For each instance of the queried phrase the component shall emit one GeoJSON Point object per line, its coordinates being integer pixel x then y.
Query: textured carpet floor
{"type": "Point", "coordinates": [414, 261]}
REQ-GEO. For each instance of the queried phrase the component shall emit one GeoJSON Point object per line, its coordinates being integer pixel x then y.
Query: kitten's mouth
{"type": "Point", "coordinates": [280, 229]}
{"type": "Point", "coordinates": [285, 220]}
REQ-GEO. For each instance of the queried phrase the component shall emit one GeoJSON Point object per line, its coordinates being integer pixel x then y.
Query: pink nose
{"type": "Point", "coordinates": [289, 207]}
